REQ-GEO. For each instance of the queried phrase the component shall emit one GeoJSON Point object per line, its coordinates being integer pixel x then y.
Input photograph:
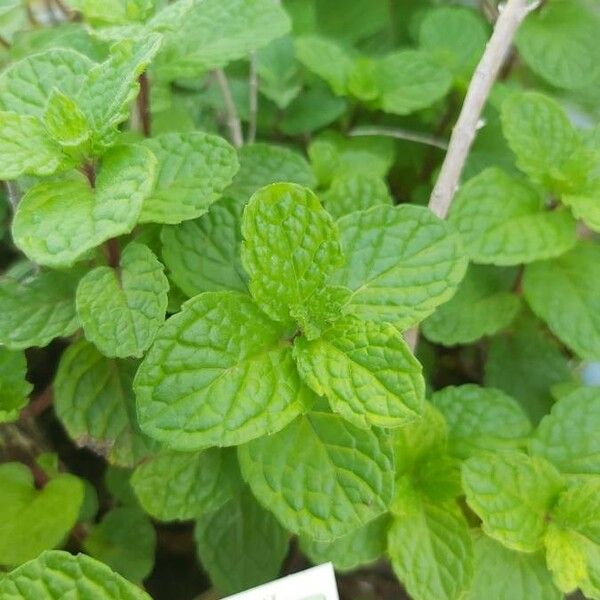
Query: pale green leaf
{"type": "Point", "coordinates": [566, 558]}
{"type": "Point", "coordinates": [94, 401]}
{"type": "Point", "coordinates": [278, 72]}
{"type": "Point", "coordinates": [565, 293]}
{"type": "Point", "coordinates": [203, 255]}
{"type": "Point", "coordinates": [409, 80]}
{"type": "Point", "coordinates": [125, 541]}
{"type": "Point", "coordinates": [65, 121]}
{"type": "Point", "coordinates": [58, 221]}
{"type": "Point", "coordinates": [430, 548]}
{"type": "Point", "coordinates": [26, 147]}
{"type": "Point", "coordinates": [34, 520]}
{"type": "Point", "coordinates": [100, 12]}
{"type": "Point", "coordinates": [366, 371]}
{"type": "Point", "coordinates": [359, 547]}
{"type": "Point", "coordinates": [14, 388]}
{"type": "Point", "coordinates": [512, 494]}
{"type": "Point", "coordinates": [502, 221]}
{"type": "Point", "coordinates": [569, 437]}
{"type": "Point", "coordinates": [481, 418]}
{"type": "Point", "coordinates": [504, 574]}
{"type": "Point", "coordinates": [355, 192]}
{"type": "Point", "coordinates": [351, 475]}
{"type": "Point", "coordinates": [216, 32]}
{"type": "Point", "coordinates": [56, 575]}
{"type": "Point", "coordinates": [193, 170]}
{"type": "Point", "coordinates": [241, 545]}
{"type": "Point", "coordinates": [262, 164]}
{"type": "Point", "coordinates": [37, 309]}
{"type": "Point", "coordinates": [402, 262]}
{"type": "Point", "coordinates": [179, 486]}
{"type": "Point", "coordinates": [122, 308]}
{"type": "Point", "coordinates": [194, 386]}
{"type": "Point", "coordinates": [290, 247]}
{"type": "Point", "coordinates": [483, 305]}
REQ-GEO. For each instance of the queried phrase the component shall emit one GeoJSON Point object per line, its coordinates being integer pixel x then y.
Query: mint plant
{"type": "Point", "coordinates": [286, 283]}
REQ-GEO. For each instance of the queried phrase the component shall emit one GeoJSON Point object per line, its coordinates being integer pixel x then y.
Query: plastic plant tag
{"type": "Point", "coordinates": [317, 583]}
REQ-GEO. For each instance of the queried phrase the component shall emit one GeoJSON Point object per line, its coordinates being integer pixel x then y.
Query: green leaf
{"type": "Point", "coordinates": [125, 541]}
{"type": "Point", "coordinates": [290, 247]}
{"type": "Point", "coordinates": [502, 221]}
{"type": "Point", "coordinates": [366, 371]}
{"type": "Point", "coordinates": [179, 486]}
{"type": "Point", "coordinates": [409, 80]}
{"type": "Point", "coordinates": [360, 547]}
{"type": "Point", "coordinates": [327, 59]}
{"type": "Point", "coordinates": [355, 192]}
{"type": "Point", "coordinates": [262, 164]}
{"type": "Point", "coordinates": [203, 255]}
{"type": "Point", "coordinates": [14, 388]}
{"type": "Point", "coordinates": [559, 43]}
{"type": "Point", "coordinates": [430, 548]}
{"type": "Point", "coordinates": [65, 121]}
{"type": "Point", "coordinates": [395, 274]}
{"type": "Point", "coordinates": [26, 148]}
{"type": "Point", "coordinates": [94, 401]}
{"type": "Point", "coordinates": [569, 437]}
{"type": "Point", "coordinates": [313, 109]}
{"type": "Point", "coordinates": [58, 574]}
{"type": "Point", "coordinates": [37, 309]}
{"type": "Point", "coordinates": [207, 361]}
{"type": "Point", "coordinates": [100, 12]}
{"type": "Point", "coordinates": [455, 37]}
{"type": "Point", "coordinates": [121, 309]}
{"type": "Point", "coordinates": [481, 419]}
{"type": "Point", "coordinates": [241, 545]}
{"type": "Point", "coordinates": [26, 86]}
{"type": "Point", "coordinates": [573, 315]}
{"type": "Point", "coordinates": [538, 131]}
{"type": "Point", "coordinates": [351, 475]}
{"type": "Point", "coordinates": [193, 170]}
{"type": "Point", "coordinates": [34, 520]}
{"type": "Point", "coordinates": [504, 574]}
{"type": "Point", "coordinates": [58, 221]}
{"type": "Point", "coordinates": [483, 305]}
{"type": "Point", "coordinates": [217, 32]}
{"type": "Point", "coordinates": [525, 362]}
{"type": "Point", "coordinates": [513, 494]}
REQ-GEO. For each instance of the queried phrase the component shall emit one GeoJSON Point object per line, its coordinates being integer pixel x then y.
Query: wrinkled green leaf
{"type": "Point", "coordinates": [14, 388]}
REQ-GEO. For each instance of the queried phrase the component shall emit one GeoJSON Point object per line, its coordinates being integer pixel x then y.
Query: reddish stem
{"type": "Point", "coordinates": [143, 103]}
{"type": "Point", "coordinates": [113, 253]}
{"type": "Point", "coordinates": [39, 404]}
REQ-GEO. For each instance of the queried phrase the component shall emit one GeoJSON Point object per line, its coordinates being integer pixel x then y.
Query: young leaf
{"type": "Point", "coordinates": [430, 548]}
{"type": "Point", "coordinates": [194, 386]}
{"type": "Point", "coordinates": [216, 32]}
{"type": "Point", "coordinates": [366, 371]}
{"type": "Point", "coordinates": [241, 545]}
{"type": "Point", "coordinates": [480, 419]}
{"type": "Point", "coordinates": [38, 309]}
{"type": "Point", "coordinates": [573, 315]}
{"type": "Point", "coordinates": [290, 247]}
{"type": "Point", "coordinates": [513, 495]}
{"type": "Point", "coordinates": [193, 170]}
{"type": "Point", "coordinates": [503, 222]}
{"type": "Point", "coordinates": [26, 148]}
{"type": "Point", "coordinates": [203, 255]}
{"type": "Point", "coordinates": [121, 309]}
{"type": "Point", "coordinates": [351, 469]}
{"type": "Point", "coordinates": [483, 305]}
{"type": "Point", "coordinates": [94, 401]}
{"type": "Point", "coordinates": [179, 486]}
{"type": "Point", "coordinates": [34, 520]}
{"type": "Point", "coordinates": [396, 275]}
{"type": "Point", "coordinates": [65, 121]}
{"type": "Point", "coordinates": [359, 547]}
{"type": "Point", "coordinates": [125, 541]}
{"type": "Point", "coordinates": [59, 221]}
{"type": "Point", "coordinates": [14, 388]}
{"type": "Point", "coordinates": [103, 12]}
{"type": "Point", "coordinates": [263, 164]}
{"type": "Point", "coordinates": [57, 574]}
{"type": "Point", "coordinates": [355, 192]}
{"type": "Point", "coordinates": [569, 437]}
{"type": "Point", "coordinates": [504, 574]}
